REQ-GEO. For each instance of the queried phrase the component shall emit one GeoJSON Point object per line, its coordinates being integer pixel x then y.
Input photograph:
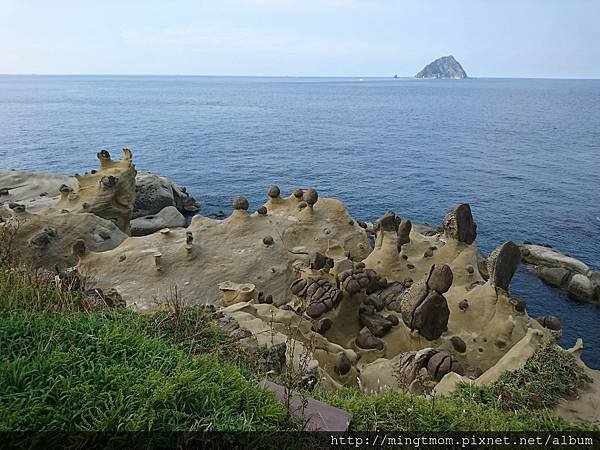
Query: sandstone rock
{"type": "Point", "coordinates": [408, 365]}
{"type": "Point", "coordinates": [388, 222]}
{"type": "Point", "coordinates": [108, 193]}
{"type": "Point", "coordinates": [503, 263]}
{"type": "Point", "coordinates": [237, 292]}
{"type": "Point", "coordinates": [168, 217]}
{"type": "Point", "coordinates": [459, 224]}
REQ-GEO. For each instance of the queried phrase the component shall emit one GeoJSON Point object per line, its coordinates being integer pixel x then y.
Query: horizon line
{"type": "Point", "coordinates": [394, 76]}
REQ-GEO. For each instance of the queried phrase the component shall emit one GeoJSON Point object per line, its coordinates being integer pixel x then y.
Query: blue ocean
{"type": "Point", "coordinates": [524, 153]}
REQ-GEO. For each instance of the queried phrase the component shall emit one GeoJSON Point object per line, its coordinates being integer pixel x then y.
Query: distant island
{"type": "Point", "coordinates": [444, 67]}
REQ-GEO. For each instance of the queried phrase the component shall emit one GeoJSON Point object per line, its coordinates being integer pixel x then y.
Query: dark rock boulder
{"type": "Point", "coordinates": [443, 363]}
{"type": "Point", "coordinates": [459, 224]}
{"type": "Point", "coordinates": [367, 341]}
{"type": "Point", "coordinates": [424, 307]}
{"type": "Point", "coordinates": [503, 263]}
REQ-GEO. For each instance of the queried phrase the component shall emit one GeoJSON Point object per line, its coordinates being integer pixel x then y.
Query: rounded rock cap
{"type": "Point", "coordinates": [103, 154]}
{"type": "Point", "coordinates": [298, 193]}
{"type": "Point", "coordinates": [441, 278]}
{"type": "Point", "coordinates": [311, 196]}
{"type": "Point", "coordinates": [241, 203]}
{"type": "Point", "coordinates": [274, 191]}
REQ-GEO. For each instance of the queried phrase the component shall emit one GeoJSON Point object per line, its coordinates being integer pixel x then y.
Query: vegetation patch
{"type": "Point", "coordinates": [64, 366]}
{"type": "Point", "coordinates": [550, 375]}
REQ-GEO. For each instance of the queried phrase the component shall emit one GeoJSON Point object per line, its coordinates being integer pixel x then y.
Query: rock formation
{"type": "Point", "coordinates": [108, 193]}
{"type": "Point", "coordinates": [256, 248]}
{"type": "Point", "coordinates": [421, 311]}
{"type": "Point", "coordinates": [96, 212]}
{"type": "Point", "coordinates": [444, 67]}
{"type": "Point", "coordinates": [153, 193]}
{"type": "Point", "coordinates": [563, 271]}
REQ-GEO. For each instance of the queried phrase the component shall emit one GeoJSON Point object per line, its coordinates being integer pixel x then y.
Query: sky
{"type": "Point", "coordinates": [503, 38]}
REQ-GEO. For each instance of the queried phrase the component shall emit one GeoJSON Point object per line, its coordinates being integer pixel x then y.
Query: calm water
{"type": "Point", "coordinates": [524, 153]}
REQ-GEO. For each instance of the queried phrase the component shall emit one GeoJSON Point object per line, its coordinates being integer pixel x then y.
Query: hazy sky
{"type": "Point", "coordinates": [520, 38]}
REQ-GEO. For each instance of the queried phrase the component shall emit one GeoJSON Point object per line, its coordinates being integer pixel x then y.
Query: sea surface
{"type": "Point", "coordinates": [525, 153]}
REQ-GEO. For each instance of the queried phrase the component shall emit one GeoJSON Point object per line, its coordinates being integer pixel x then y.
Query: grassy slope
{"type": "Point", "coordinates": [66, 369]}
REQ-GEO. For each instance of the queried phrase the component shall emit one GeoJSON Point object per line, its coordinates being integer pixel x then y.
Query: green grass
{"type": "Point", "coordinates": [548, 376]}
{"type": "Point", "coordinates": [398, 411]}
{"type": "Point", "coordinates": [64, 368]}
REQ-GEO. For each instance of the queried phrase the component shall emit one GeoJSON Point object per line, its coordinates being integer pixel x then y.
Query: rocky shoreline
{"type": "Point", "coordinates": [562, 271]}
{"type": "Point", "coordinates": [420, 310]}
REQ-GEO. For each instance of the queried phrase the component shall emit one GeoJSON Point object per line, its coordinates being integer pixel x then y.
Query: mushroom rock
{"type": "Point", "coordinates": [388, 222]}
{"type": "Point", "coordinates": [423, 307]}
{"type": "Point", "coordinates": [298, 194]}
{"type": "Point", "coordinates": [108, 193]}
{"type": "Point", "coordinates": [240, 204]}
{"type": "Point", "coordinates": [311, 197]}
{"type": "Point", "coordinates": [503, 263]}
{"type": "Point", "coordinates": [385, 257]}
{"type": "Point", "coordinates": [229, 249]}
{"type": "Point", "coordinates": [459, 224]}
